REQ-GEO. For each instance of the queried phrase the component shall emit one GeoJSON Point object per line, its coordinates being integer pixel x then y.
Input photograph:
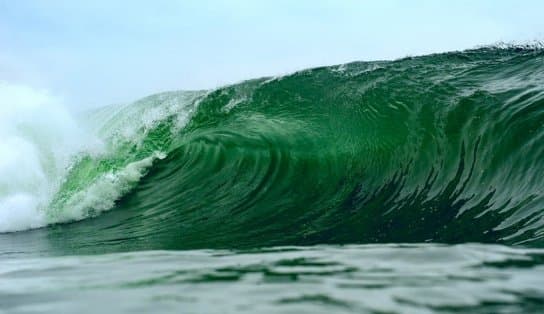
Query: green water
{"type": "Point", "coordinates": [301, 193]}
{"type": "Point", "coordinates": [319, 279]}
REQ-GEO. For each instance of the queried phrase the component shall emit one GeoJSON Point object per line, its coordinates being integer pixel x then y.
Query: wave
{"type": "Point", "coordinates": [440, 148]}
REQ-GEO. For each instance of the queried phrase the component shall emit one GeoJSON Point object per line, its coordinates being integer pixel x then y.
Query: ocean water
{"type": "Point", "coordinates": [406, 186]}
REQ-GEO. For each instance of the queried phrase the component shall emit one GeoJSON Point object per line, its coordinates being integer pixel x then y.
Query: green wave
{"type": "Point", "coordinates": [439, 148]}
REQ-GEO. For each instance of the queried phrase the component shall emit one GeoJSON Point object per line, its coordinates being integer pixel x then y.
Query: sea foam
{"type": "Point", "coordinates": [39, 136]}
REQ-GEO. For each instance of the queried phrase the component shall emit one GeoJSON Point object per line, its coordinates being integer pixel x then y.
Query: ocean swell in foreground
{"type": "Point", "coordinates": [370, 279]}
{"type": "Point", "coordinates": [440, 148]}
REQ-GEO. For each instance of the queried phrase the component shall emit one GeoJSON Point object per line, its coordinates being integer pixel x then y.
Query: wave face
{"type": "Point", "coordinates": [440, 148]}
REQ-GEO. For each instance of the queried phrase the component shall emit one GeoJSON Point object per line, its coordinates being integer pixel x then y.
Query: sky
{"type": "Point", "coordinates": [94, 53]}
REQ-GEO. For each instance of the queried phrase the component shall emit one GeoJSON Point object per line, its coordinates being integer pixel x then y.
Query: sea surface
{"type": "Point", "coordinates": [407, 186]}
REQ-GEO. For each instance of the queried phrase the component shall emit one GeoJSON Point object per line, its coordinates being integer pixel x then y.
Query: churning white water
{"type": "Point", "coordinates": [38, 136]}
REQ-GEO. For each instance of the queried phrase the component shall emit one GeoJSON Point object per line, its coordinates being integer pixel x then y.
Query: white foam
{"type": "Point", "coordinates": [38, 136]}
{"type": "Point", "coordinates": [101, 194]}
{"type": "Point", "coordinates": [40, 141]}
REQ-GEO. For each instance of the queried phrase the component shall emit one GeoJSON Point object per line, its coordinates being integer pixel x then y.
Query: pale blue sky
{"type": "Point", "coordinates": [99, 52]}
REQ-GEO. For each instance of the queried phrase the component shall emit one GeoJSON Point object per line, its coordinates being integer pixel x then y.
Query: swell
{"type": "Point", "coordinates": [439, 148]}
